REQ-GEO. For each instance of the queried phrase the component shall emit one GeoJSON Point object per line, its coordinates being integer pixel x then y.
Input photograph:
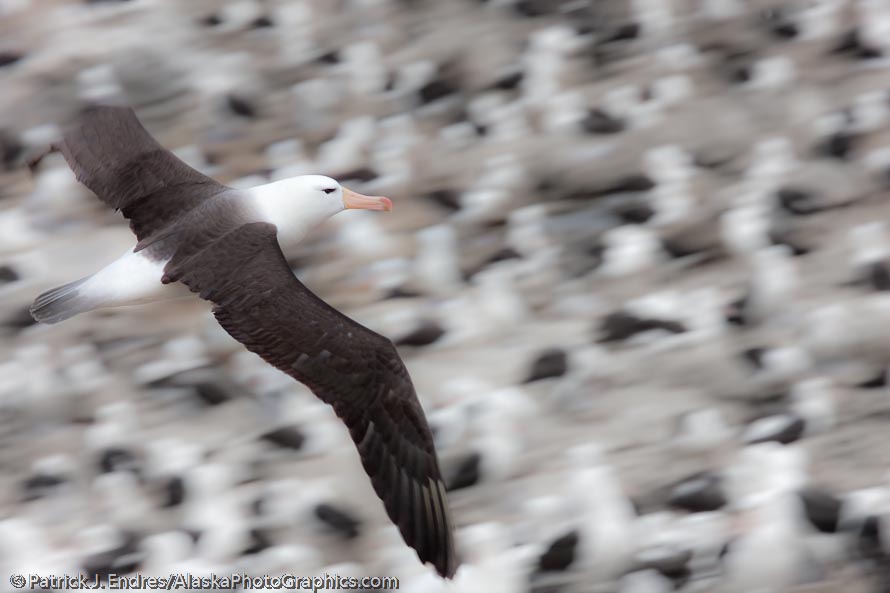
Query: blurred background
{"type": "Point", "coordinates": [637, 268]}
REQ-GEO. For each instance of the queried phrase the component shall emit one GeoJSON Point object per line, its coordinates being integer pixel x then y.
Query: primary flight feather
{"type": "Point", "coordinates": [223, 244]}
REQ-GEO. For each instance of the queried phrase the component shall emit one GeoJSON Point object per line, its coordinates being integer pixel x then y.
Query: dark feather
{"type": "Point", "coordinates": [259, 301]}
{"type": "Point", "coordinates": [114, 156]}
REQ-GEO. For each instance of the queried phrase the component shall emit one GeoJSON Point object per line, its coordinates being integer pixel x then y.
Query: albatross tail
{"type": "Point", "coordinates": [63, 302]}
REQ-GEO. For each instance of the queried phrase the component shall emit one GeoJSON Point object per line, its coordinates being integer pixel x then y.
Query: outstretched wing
{"type": "Point", "coordinates": [113, 155]}
{"type": "Point", "coordinates": [260, 302]}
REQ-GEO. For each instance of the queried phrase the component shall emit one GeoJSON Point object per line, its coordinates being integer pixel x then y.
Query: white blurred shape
{"type": "Point", "coordinates": [773, 72]}
{"type": "Point", "coordinates": [284, 152]}
{"type": "Point", "coordinates": [630, 249]}
{"type": "Point", "coordinates": [122, 501]}
{"type": "Point", "coordinates": [363, 63]}
{"type": "Point", "coordinates": [668, 164]}
{"type": "Point", "coordinates": [436, 266]}
{"type": "Point", "coordinates": [869, 243]}
{"type": "Point", "coordinates": [769, 556]}
{"type": "Point", "coordinates": [774, 281]}
{"type": "Point", "coordinates": [814, 400]}
{"type": "Point", "coordinates": [606, 515]}
{"type": "Point", "coordinates": [645, 581]}
{"type": "Point", "coordinates": [361, 237]}
{"type": "Point", "coordinates": [703, 431]}
{"type": "Point", "coordinates": [164, 552]}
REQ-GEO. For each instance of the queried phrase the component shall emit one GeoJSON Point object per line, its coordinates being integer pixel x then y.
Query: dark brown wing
{"type": "Point", "coordinates": [113, 155]}
{"type": "Point", "coordinates": [259, 301]}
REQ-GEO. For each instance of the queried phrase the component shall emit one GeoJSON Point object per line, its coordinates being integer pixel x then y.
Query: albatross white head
{"type": "Point", "coordinates": [297, 205]}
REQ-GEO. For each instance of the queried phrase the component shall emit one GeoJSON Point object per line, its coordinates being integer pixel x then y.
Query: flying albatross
{"type": "Point", "coordinates": [223, 244]}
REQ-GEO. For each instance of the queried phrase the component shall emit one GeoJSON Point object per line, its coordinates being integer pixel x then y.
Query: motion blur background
{"type": "Point", "coordinates": [637, 268]}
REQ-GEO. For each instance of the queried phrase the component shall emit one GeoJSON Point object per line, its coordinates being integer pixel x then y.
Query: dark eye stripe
{"type": "Point", "coordinates": [328, 190]}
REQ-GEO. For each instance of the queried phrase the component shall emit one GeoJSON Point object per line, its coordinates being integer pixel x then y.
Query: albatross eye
{"type": "Point", "coordinates": [328, 190]}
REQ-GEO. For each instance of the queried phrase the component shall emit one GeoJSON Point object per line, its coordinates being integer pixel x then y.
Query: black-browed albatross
{"type": "Point", "coordinates": [223, 244]}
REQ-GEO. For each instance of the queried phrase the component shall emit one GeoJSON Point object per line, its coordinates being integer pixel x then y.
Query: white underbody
{"type": "Point", "coordinates": [132, 279]}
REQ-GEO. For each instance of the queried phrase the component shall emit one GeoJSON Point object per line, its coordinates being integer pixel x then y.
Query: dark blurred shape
{"type": "Point", "coordinates": [634, 212]}
{"type": "Point", "coordinates": [338, 520]}
{"type": "Point", "coordinates": [467, 473]}
{"type": "Point", "coordinates": [822, 508]}
{"type": "Point", "coordinates": [174, 492]}
{"type": "Point", "coordinates": [870, 536]}
{"type": "Point", "coordinates": [8, 58]}
{"type": "Point", "coordinates": [872, 546]}
{"type": "Point", "coordinates": [755, 357]}
{"type": "Point", "coordinates": [8, 274]}
{"type": "Point", "coordinates": [560, 554]}
{"type": "Point", "coordinates": [779, 24]}
{"type": "Point", "coordinates": [362, 174]}
{"type": "Point", "coordinates": [211, 393]}
{"type": "Point", "coordinates": [548, 364]}
{"type": "Point", "coordinates": [600, 122]}
{"type": "Point", "coordinates": [669, 560]}
{"type": "Point", "coordinates": [286, 437]}
{"type": "Point", "coordinates": [118, 459]}
{"type": "Point", "coordinates": [195, 534]}
{"type": "Point", "coordinates": [782, 428]}
{"type": "Point", "coordinates": [850, 44]}
{"type": "Point", "coordinates": [425, 334]}
{"type": "Point", "coordinates": [257, 505]}
{"type": "Point", "coordinates": [391, 80]}
{"type": "Point", "coordinates": [262, 22]}
{"type": "Point", "coordinates": [740, 74]}
{"type": "Point", "coordinates": [508, 82]}
{"type": "Point", "coordinates": [19, 320]}
{"type": "Point", "coordinates": [447, 198]}
{"type": "Point", "coordinates": [620, 326]}
{"type": "Point", "coordinates": [504, 254]}
{"type": "Point", "coordinates": [879, 276]}
{"type": "Point", "coordinates": [839, 145]}
{"type": "Point", "coordinates": [331, 57]}
{"type": "Point", "coordinates": [40, 485]}
{"type": "Point", "coordinates": [784, 237]}
{"type": "Point", "coordinates": [11, 149]}
{"type": "Point", "coordinates": [786, 30]}
{"type": "Point", "coordinates": [733, 63]}
{"type": "Point", "coordinates": [684, 246]}
{"type": "Point", "coordinates": [437, 88]}
{"type": "Point", "coordinates": [124, 559]}
{"type": "Point", "coordinates": [870, 541]}
{"type": "Point", "coordinates": [240, 106]}
{"type": "Point", "coordinates": [211, 20]}
{"type": "Point", "coordinates": [401, 292]}
{"type": "Point", "coordinates": [259, 541]}
{"type": "Point", "coordinates": [535, 8]}
{"type": "Point", "coordinates": [699, 493]}
{"type": "Point", "coordinates": [624, 32]}
{"type": "Point", "coordinates": [877, 382]}
{"type": "Point", "coordinates": [736, 312]}
{"type": "Point", "coordinates": [630, 184]}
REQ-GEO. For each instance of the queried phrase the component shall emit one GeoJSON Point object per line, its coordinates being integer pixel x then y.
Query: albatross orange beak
{"type": "Point", "coordinates": [357, 201]}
